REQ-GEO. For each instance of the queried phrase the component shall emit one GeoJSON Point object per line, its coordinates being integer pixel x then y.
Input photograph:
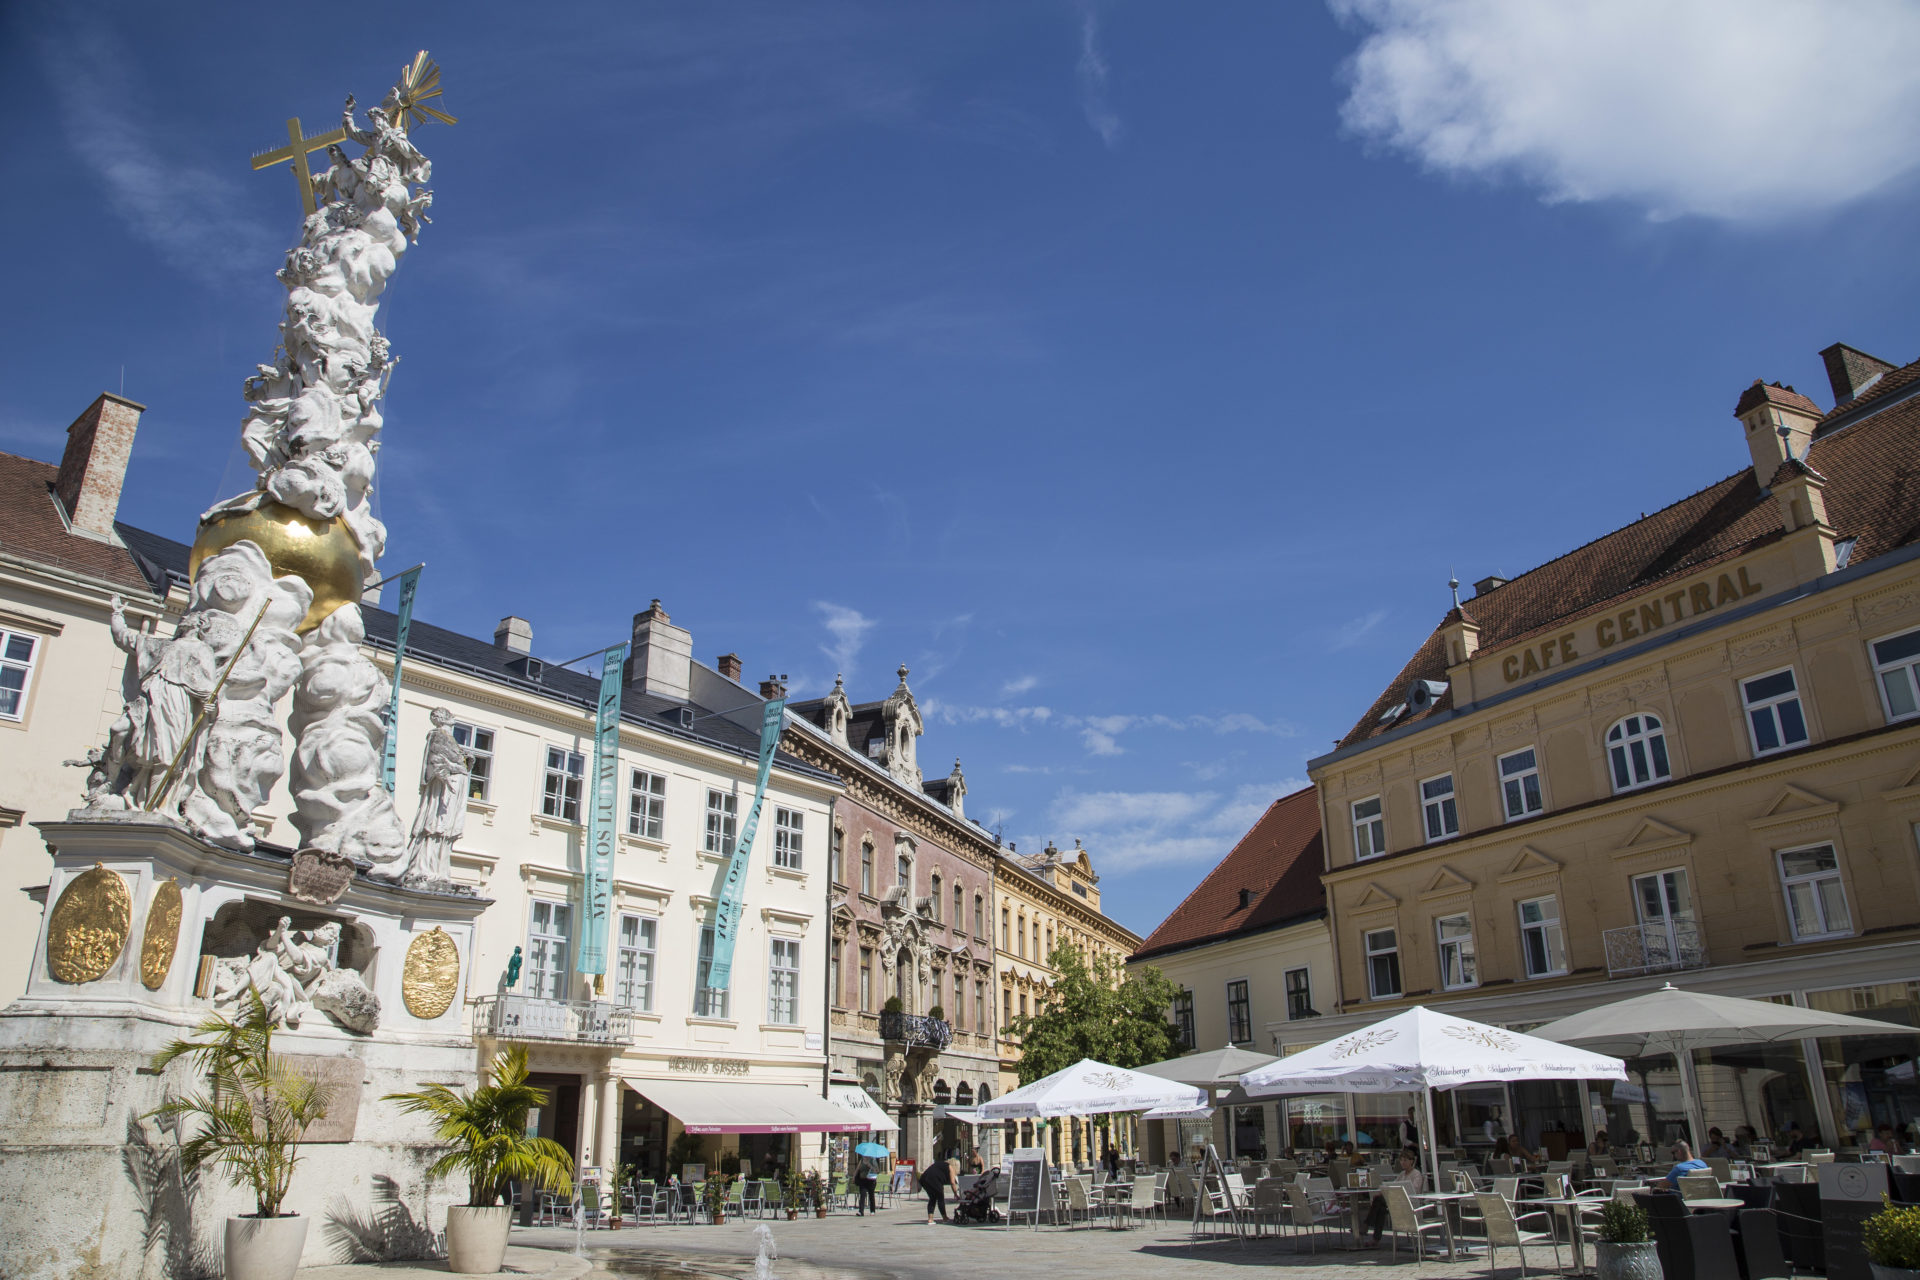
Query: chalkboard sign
{"type": "Point", "coordinates": [1849, 1195]}
{"type": "Point", "coordinates": [1032, 1190]}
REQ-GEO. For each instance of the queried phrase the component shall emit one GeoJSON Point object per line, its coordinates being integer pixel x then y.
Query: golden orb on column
{"type": "Point", "coordinates": [321, 553]}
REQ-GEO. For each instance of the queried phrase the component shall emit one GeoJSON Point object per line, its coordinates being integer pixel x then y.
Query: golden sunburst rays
{"type": "Point", "coordinates": [419, 81]}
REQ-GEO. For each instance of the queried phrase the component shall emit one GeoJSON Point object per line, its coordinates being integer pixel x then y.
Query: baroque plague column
{"type": "Point", "coordinates": [360, 958]}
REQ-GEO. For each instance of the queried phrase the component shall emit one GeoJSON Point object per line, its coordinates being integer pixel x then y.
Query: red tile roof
{"type": "Point", "coordinates": [1872, 470]}
{"type": "Point", "coordinates": [1760, 393]}
{"type": "Point", "coordinates": [31, 528]}
{"type": "Point", "coordinates": [1280, 860]}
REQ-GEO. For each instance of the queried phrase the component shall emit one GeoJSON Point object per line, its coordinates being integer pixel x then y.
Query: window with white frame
{"type": "Point", "coordinates": [1383, 963]}
{"type": "Point", "coordinates": [1458, 966]}
{"type": "Point", "coordinates": [1520, 784]}
{"type": "Point", "coordinates": [560, 795]}
{"type": "Point", "coordinates": [633, 962]}
{"type": "Point", "coordinates": [479, 745]}
{"type": "Point", "coordinates": [646, 805]}
{"type": "Point", "coordinates": [1815, 897]}
{"type": "Point", "coordinates": [1774, 718]}
{"type": "Point", "coordinates": [17, 653]}
{"type": "Point", "coordinates": [1542, 944]}
{"type": "Point", "coordinates": [549, 928]}
{"type": "Point", "coordinates": [723, 808]}
{"type": "Point", "coordinates": [1239, 1012]}
{"type": "Point", "coordinates": [1369, 828]}
{"type": "Point", "coordinates": [708, 1001]}
{"type": "Point", "coordinates": [1896, 663]}
{"type": "Point", "coordinates": [786, 838]}
{"type": "Point", "coordinates": [1300, 994]}
{"type": "Point", "coordinates": [1183, 1019]}
{"type": "Point", "coordinates": [1438, 808]}
{"type": "Point", "coordinates": [1637, 752]}
{"type": "Point", "coordinates": [783, 981]}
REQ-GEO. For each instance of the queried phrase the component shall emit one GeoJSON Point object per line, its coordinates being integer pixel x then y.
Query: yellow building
{"type": "Point", "coordinates": [1687, 751]}
{"type": "Point", "coordinates": [1045, 901]}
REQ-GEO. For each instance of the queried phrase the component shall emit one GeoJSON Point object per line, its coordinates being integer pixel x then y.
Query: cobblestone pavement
{"type": "Point", "coordinates": [897, 1243]}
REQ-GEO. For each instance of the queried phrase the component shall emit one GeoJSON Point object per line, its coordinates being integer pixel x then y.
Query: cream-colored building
{"type": "Point", "coordinates": [630, 1059]}
{"type": "Point", "coordinates": [1045, 901]}
{"type": "Point", "coordinates": [1688, 751]}
{"type": "Point", "coordinates": [1249, 953]}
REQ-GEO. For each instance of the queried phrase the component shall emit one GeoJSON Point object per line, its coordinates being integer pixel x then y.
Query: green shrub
{"type": "Point", "coordinates": [892, 1005]}
{"type": "Point", "coordinates": [937, 1013]}
{"type": "Point", "coordinates": [1623, 1223]}
{"type": "Point", "coordinates": [1892, 1236]}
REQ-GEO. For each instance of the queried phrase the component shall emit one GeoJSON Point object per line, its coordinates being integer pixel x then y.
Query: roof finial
{"type": "Point", "coordinates": [1453, 584]}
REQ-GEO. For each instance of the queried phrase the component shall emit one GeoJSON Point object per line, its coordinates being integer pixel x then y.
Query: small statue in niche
{"type": "Point", "coordinates": [442, 817]}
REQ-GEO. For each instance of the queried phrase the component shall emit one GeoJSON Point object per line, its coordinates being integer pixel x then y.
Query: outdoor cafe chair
{"type": "Point", "coordinates": [1214, 1202]}
{"type": "Point", "coordinates": [1412, 1221]}
{"type": "Point", "coordinates": [736, 1198]}
{"type": "Point", "coordinates": [548, 1211]}
{"type": "Point", "coordinates": [1760, 1245]}
{"type": "Point", "coordinates": [1505, 1232]}
{"type": "Point", "coordinates": [750, 1201]}
{"type": "Point", "coordinates": [1269, 1204]}
{"type": "Point", "coordinates": [1078, 1201]}
{"type": "Point", "coordinates": [1146, 1196]}
{"type": "Point", "coordinates": [1308, 1218]}
{"type": "Point", "coordinates": [1721, 1167]}
{"type": "Point", "coordinates": [1699, 1186]}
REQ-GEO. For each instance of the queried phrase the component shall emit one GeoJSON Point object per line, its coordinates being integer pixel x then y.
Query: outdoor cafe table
{"type": "Point", "coordinates": [1359, 1197]}
{"type": "Point", "coordinates": [1449, 1202]}
{"type": "Point", "coordinates": [1568, 1207]}
{"type": "Point", "coordinates": [1695, 1206]}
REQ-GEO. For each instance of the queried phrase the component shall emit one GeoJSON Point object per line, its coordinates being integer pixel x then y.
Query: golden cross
{"type": "Point", "coordinates": [296, 150]}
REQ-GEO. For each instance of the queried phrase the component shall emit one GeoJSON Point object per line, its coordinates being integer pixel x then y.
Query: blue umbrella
{"type": "Point", "coordinates": [870, 1149]}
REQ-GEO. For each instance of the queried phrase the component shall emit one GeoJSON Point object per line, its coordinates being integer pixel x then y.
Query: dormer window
{"type": "Point", "coordinates": [1246, 898]}
{"type": "Point", "coordinates": [876, 748]}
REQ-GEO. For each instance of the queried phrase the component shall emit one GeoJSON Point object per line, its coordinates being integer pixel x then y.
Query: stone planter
{"type": "Point", "coordinates": [265, 1248]}
{"type": "Point", "coordinates": [719, 1219]}
{"type": "Point", "coordinates": [792, 1214]}
{"type": "Point", "coordinates": [477, 1238]}
{"type": "Point", "coordinates": [820, 1212]}
{"type": "Point", "coordinates": [1626, 1261]}
{"type": "Point", "coordinates": [1893, 1273]}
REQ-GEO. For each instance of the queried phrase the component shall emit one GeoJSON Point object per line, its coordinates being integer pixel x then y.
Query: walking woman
{"type": "Point", "coordinates": [864, 1182]}
{"type": "Point", "coordinates": [935, 1182]}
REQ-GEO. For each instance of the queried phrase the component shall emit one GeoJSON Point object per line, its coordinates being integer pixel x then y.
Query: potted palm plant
{"type": "Point", "coordinates": [486, 1127]}
{"type": "Point", "coordinates": [817, 1192]}
{"type": "Point", "coordinates": [1892, 1237]}
{"type": "Point", "coordinates": [623, 1175]}
{"type": "Point", "coordinates": [713, 1197]}
{"type": "Point", "coordinates": [1624, 1249]}
{"type": "Point", "coordinates": [251, 1116]}
{"type": "Point", "coordinates": [793, 1193]}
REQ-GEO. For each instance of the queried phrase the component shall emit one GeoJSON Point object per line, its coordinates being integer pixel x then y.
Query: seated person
{"type": "Point", "coordinates": [1348, 1150]}
{"type": "Point", "coordinates": [1883, 1140]}
{"type": "Point", "coordinates": [1797, 1142]}
{"type": "Point", "coordinates": [1717, 1145]}
{"type": "Point", "coordinates": [1684, 1164]}
{"type": "Point", "coordinates": [1598, 1147]}
{"type": "Point", "coordinates": [1744, 1140]}
{"type": "Point", "coordinates": [1409, 1177]}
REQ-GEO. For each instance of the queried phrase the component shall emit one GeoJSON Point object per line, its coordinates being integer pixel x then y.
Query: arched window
{"type": "Point", "coordinates": [963, 1096]}
{"type": "Point", "coordinates": [986, 1094]}
{"type": "Point", "coordinates": [942, 1095]}
{"type": "Point", "coordinates": [1637, 752]}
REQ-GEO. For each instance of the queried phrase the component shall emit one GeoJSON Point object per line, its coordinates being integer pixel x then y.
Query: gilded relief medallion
{"type": "Point", "coordinates": [162, 935]}
{"type": "Point", "coordinates": [431, 976]}
{"type": "Point", "coordinates": [88, 927]}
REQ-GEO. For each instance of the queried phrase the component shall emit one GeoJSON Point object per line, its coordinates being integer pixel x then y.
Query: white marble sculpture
{"type": "Point", "coordinates": [341, 803]}
{"type": "Point", "coordinates": [445, 766]}
{"type": "Point", "coordinates": [167, 684]}
{"type": "Point", "coordinates": [296, 971]}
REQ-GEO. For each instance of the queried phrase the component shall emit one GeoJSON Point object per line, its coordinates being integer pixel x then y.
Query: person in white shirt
{"type": "Point", "coordinates": [1410, 1177]}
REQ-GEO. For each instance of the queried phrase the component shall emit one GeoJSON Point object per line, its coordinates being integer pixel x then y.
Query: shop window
{"type": "Point", "coordinates": [1541, 941]}
{"type": "Point", "coordinates": [1239, 1012]}
{"type": "Point", "coordinates": [1520, 784]}
{"type": "Point", "coordinates": [1383, 963]}
{"type": "Point", "coordinates": [1369, 828]}
{"type": "Point", "coordinates": [1249, 1133]}
{"type": "Point", "coordinates": [1896, 662]}
{"type": "Point", "coordinates": [1458, 967]}
{"type": "Point", "coordinates": [1774, 718]}
{"type": "Point", "coordinates": [1815, 897]}
{"type": "Point", "coordinates": [1183, 1019]}
{"type": "Point", "coordinates": [1637, 752]}
{"type": "Point", "coordinates": [1438, 809]}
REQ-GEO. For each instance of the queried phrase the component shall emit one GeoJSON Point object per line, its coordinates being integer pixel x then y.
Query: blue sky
{"type": "Point", "coordinates": [1134, 372]}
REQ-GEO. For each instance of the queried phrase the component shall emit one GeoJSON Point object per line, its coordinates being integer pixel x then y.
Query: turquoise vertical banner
{"type": "Point", "coordinates": [597, 892]}
{"type": "Point", "coordinates": [726, 914]}
{"type": "Point", "coordinates": [409, 585]}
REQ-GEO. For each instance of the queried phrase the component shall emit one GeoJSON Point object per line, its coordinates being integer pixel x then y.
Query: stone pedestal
{"type": "Point", "coordinates": [91, 1188]}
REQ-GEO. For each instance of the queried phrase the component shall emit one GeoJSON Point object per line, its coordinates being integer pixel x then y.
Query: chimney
{"type": "Point", "coordinates": [95, 465]}
{"type": "Point", "coordinates": [515, 634]}
{"type": "Point", "coordinates": [1488, 583]}
{"type": "Point", "coordinates": [729, 664]}
{"type": "Point", "coordinates": [1776, 418]}
{"type": "Point", "coordinates": [773, 687]}
{"type": "Point", "coordinates": [1851, 371]}
{"type": "Point", "coordinates": [662, 655]}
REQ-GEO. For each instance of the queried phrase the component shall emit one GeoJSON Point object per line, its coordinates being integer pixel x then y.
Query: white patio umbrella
{"type": "Point", "coordinates": [1222, 1066]}
{"type": "Point", "coordinates": [1421, 1050]}
{"type": "Point", "coordinates": [1678, 1022]}
{"type": "Point", "coordinates": [1090, 1088]}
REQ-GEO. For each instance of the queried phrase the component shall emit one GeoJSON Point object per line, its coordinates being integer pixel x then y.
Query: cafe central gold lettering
{"type": "Point", "coordinates": [1632, 623]}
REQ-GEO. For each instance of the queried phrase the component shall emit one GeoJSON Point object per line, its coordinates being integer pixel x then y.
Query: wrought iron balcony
{"type": "Point", "coordinates": [568, 1021]}
{"type": "Point", "coordinates": [915, 1029]}
{"type": "Point", "coordinates": [1655, 948]}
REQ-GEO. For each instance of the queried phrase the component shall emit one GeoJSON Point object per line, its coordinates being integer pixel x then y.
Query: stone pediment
{"type": "Point", "coordinates": [1446, 883]}
{"type": "Point", "coordinates": [1905, 795]}
{"type": "Point", "coordinates": [1374, 898]}
{"type": "Point", "coordinates": [1653, 836]}
{"type": "Point", "coordinates": [1795, 808]}
{"type": "Point", "coordinates": [1530, 864]}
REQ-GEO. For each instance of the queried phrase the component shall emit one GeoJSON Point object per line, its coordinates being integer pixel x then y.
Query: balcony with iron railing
{"type": "Point", "coordinates": [1640, 949]}
{"type": "Point", "coordinates": [507, 1017]}
{"type": "Point", "coordinates": [916, 1029]}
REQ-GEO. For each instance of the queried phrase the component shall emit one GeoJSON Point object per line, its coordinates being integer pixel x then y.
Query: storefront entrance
{"type": "Point", "coordinates": [560, 1118]}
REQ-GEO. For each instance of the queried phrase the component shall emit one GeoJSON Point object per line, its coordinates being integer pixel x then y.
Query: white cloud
{"type": "Point", "coordinates": [848, 627]}
{"type": "Point", "coordinates": [1741, 110]}
{"type": "Point", "coordinates": [1014, 688]}
{"type": "Point", "coordinates": [1134, 830]}
{"type": "Point", "coordinates": [1005, 717]}
{"type": "Point", "coordinates": [182, 209]}
{"type": "Point", "coordinates": [1092, 72]}
{"type": "Point", "coordinates": [1352, 632]}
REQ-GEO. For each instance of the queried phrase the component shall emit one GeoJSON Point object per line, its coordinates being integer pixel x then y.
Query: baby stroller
{"type": "Point", "coordinates": [977, 1204]}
